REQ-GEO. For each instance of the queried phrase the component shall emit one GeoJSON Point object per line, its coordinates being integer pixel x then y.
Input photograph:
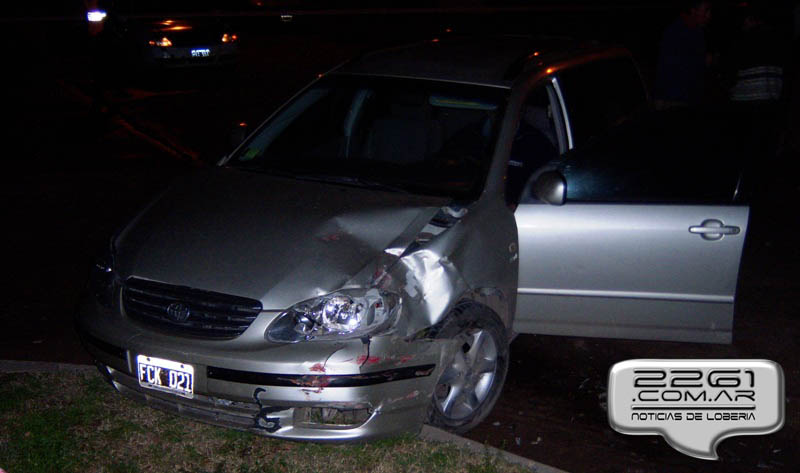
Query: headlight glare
{"type": "Point", "coordinates": [343, 314]}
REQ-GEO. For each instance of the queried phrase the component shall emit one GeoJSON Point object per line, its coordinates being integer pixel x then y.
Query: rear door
{"type": "Point", "coordinates": [648, 243]}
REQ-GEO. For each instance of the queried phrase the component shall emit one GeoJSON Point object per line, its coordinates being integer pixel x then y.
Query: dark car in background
{"type": "Point", "coordinates": [184, 43]}
{"type": "Point", "coordinates": [127, 43]}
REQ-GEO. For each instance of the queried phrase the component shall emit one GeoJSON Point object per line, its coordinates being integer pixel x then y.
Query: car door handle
{"type": "Point", "coordinates": [713, 229]}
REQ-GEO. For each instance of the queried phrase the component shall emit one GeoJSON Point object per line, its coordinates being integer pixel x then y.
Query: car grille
{"type": "Point", "coordinates": [183, 310]}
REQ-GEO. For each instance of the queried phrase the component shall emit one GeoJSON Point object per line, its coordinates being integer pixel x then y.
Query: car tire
{"type": "Point", "coordinates": [473, 377]}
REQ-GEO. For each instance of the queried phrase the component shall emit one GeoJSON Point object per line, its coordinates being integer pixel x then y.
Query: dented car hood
{"type": "Point", "coordinates": [275, 239]}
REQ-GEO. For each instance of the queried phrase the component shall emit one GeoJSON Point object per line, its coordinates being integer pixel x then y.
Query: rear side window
{"type": "Point", "coordinates": [668, 157]}
{"type": "Point", "coordinates": [601, 95]}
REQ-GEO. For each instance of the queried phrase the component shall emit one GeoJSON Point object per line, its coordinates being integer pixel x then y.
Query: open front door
{"type": "Point", "coordinates": [647, 244]}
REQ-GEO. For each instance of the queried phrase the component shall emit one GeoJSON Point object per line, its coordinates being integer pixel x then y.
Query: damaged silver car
{"type": "Point", "coordinates": [353, 269]}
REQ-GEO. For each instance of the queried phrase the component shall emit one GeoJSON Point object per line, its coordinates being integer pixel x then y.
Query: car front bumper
{"type": "Point", "coordinates": [320, 391]}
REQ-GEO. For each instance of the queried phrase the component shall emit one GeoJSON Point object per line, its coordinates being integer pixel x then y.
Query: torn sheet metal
{"type": "Point", "coordinates": [431, 284]}
{"type": "Point", "coordinates": [268, 418]}
{"type": "Point", "coordinates": [461, 260]}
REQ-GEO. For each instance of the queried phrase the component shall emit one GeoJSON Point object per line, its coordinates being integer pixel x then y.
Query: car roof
{"type": "Point", "coordinates": [492, 61]}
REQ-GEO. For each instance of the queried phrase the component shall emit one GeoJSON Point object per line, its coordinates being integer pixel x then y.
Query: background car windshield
{"type": "Point", "coordinates": [417, 136]}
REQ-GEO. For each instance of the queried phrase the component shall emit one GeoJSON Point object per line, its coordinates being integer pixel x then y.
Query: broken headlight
{"type": "Point", "coordinates": [343, 314]}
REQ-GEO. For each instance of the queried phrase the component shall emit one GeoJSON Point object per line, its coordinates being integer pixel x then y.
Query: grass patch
{"type": "Point", "coordinates": [75, 422]}
{"type": "Point", "coordinates": [14, 390]}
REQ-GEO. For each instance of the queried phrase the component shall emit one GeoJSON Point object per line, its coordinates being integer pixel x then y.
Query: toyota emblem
{"type": "Point", "coordinates": [178, 312]}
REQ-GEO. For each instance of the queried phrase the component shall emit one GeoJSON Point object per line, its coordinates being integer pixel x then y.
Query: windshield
{"type": "Point", "coordinates": [423, 137]}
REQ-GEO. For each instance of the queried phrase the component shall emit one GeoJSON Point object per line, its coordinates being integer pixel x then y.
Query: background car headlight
{"type": "Point", "coordinates": [163, 42]}
{"type": "Point", "coordinates": [343, 314]}
{"type": "Point", "coordinates": [95, 16]}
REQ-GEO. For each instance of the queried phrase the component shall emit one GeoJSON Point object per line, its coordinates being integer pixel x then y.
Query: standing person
{"type": "Point", "coordinates": [757, 59]}
{"type": "Point", "coordinates": [757, 56]}
{"type": "Point", "coordinates": [683, 58]}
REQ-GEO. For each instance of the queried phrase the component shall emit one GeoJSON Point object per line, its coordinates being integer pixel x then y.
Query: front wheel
{"type": "Point", "coordinates": [473, 377]}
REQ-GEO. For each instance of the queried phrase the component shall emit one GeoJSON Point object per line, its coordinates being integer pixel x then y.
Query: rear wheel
{"type": "Point", "coordinates": [474, 375]}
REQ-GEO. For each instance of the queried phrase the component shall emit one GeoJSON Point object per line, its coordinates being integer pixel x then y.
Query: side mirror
{"type": "Point", "coordinates": [550, 187]}
{"type": "Point", "coordinates": [239, 133]}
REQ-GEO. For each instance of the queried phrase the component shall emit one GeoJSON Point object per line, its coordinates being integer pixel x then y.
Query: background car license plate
{"type": "Point", "coordinates": [165, 375]}
{"type": "Point", "coordinates": [201, 52]}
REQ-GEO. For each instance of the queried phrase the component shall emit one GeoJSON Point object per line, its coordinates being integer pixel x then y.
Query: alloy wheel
{"type": "Point", "coordinates": [467, 381]}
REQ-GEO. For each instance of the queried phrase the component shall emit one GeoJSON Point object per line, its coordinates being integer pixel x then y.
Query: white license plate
{"type": "Point", "coordinates": [201, 52]}
{"type": "Point", "coordinates": [165, 375]}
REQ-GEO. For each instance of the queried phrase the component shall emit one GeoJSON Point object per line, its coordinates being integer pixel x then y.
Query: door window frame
{"type": "Point", "coordinates": [563, 128]}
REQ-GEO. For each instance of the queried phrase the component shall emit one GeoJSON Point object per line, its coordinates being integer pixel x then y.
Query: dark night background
{"type": "Point", "coordinates": [75, 170]}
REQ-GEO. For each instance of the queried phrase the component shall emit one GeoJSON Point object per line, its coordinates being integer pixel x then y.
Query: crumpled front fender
{"type": "Point", "coordinates": [474, 259]}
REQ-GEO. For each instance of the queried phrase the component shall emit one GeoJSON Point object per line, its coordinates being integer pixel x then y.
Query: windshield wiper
{"type": "Point", "coordinates": [379, 185]}
{"type": "Point", "coordinates": [327, 178]}
{"type": "Point", "coordinates": [353, 181]}
{"type": "Point", "coordinates": [263, 170]}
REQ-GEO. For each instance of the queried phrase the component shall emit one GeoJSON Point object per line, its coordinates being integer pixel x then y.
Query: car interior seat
{"type": "Point", "coordinates": [405, 135]}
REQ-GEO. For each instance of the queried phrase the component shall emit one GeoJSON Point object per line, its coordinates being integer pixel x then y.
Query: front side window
{"type": "Point", "coordinates": [600, 96]}
{"type": "Point", "coordinates": [417, 136]}
{"type": "Point", "coordinates": [679, 157]}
